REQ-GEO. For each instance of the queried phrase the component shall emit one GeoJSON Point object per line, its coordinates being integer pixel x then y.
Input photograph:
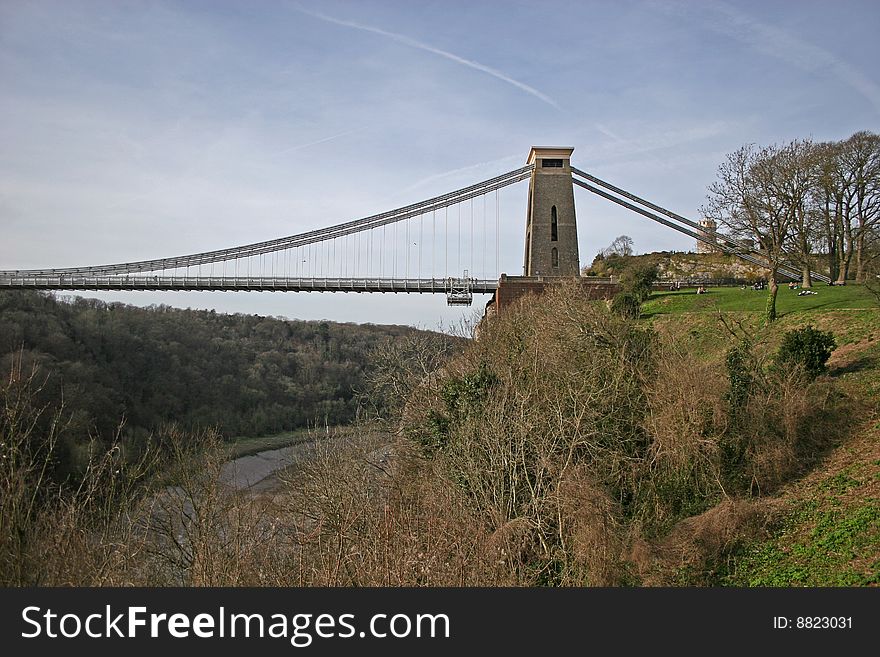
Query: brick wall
{"type": "Point", "coordinates": [513, 288]}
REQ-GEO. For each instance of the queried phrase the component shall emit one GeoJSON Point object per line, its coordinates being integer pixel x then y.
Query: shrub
{"type": "Point", "coordinates": [538, 427]}
{"type": "Point", "coordinates": [627, 305]}
{"type": "Point", "coordinates": [638, 280]}
{"type": "Point", "coordinates": [462, 397]}
{"type": "Point", "coordinates": [807, 348]}
{"type": "Point", "coordinates": [741, 374]}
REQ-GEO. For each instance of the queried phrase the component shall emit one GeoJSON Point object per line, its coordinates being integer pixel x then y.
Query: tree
{"type": "Point", "coordinates": [860, 156]}
{"type": "Point", "coordinates": [400, 366]}
{"type": "Point", "coordinates": [610, 259]}
{"type": "Point", "coordinates": [621, 246]}
{"type": "Point", "coordinates": [794, 177]}
{"type": "Point", "coordinates": [846, 198]}
{"type": "Point", "coordinates": [828, 195]}
{"type": "Point", "coordinates": [626, 304]}
{"type": "Point", "coordinates": [747, 198]}
{"type": "Point", "coordinates": [638, 280]}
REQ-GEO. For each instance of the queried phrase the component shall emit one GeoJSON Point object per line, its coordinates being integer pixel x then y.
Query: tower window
{"type": "Point", "coordinates": [554, 231]}
{"type": "Point", "coordinates": [554, 257]}
{"type": "Point", "coordinates": [551, 164]}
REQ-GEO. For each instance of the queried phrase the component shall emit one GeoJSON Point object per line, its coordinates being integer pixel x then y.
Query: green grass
{"type": "Point", "coordinates": [829, 536]}
{"type": "Point", "coordinates": [865, 372]}
{"type": "Point", "coordinates": [840, 549]}
{"type": "Point", "coordinates": [749, 300]}
{"type": "Point", "coordinates": [851, 313]}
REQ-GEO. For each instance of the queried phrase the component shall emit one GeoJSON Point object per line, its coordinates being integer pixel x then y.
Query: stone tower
{"type": "Point", "coordinates": [710, 229]}
{"type": "Point", "coordinates": [551, 225]}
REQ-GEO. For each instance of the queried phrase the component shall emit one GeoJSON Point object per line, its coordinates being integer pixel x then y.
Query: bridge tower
{"type": "Point", "coordinates": [551, 224]}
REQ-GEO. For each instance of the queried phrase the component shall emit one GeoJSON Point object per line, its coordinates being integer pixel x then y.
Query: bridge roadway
{"type": "Point", "coordinates": [261, 284]}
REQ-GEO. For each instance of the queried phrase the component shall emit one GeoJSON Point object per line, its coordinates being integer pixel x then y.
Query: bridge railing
{"type": "Point", "coordinates": [406, 285]}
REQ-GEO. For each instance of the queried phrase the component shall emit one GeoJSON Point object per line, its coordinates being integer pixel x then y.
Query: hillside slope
{"type": "Point", "coordinates": [822, 528]}
{"type": "Point", "coordinates": [578, 447]}
{"type": "Point", "coordinates": [567, 446]}
{"type": "Point", "coordinates": [244, 374]}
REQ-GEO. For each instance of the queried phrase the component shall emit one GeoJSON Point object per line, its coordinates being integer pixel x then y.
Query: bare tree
{"type": "Point", "coordinates": [860, 156]}
{"type": "Point", "coordinates": [748, 200]}
{"type": "Point", "coordinates": [399, 366]}
{"type": "Point", "coordinates": [828, 197]}
{"type": "Point", "coordinates": [846, 197]}
{"type": "Point", "coordinates": [794, 173]}
{"type": "Point", "coordinates": [621, 246]}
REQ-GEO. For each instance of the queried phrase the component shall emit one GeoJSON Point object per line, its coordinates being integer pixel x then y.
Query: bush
{"type": "Point", "coordinates": [627, 305]}
{"type": "Point", "coordinates": [539, 429]}
{"type": "Point", "coordinates": [463, 397]}
{"type": "Point", "coordinates": [638, 280]}
{"type": "Point", "coordinates": [742, 371]}
{"type": "Point", "coordinates": [807, 348]}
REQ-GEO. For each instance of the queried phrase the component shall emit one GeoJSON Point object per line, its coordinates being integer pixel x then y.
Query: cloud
{"type": "Point", "coordinates": [419, 45]}
{"type": "Point", "coordinates": [783, 45]}
{"type": "Point", "coordinates": [633, 140]}
{"type": "Point", "coordinates": [645, 137]}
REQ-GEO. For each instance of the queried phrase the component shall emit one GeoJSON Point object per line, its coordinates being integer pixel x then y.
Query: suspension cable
{"type": "Point", "coordinates": [300, 239]}
{"type": "Point", "coordinates": [726, 244]}
{"type": "Point", "coordinates": [696, 235]}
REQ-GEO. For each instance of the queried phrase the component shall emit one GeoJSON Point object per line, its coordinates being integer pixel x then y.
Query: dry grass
{"type": "Point", "coordinates": [699, 546]}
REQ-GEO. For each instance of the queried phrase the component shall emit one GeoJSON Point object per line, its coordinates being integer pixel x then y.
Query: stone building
{"type": "Point", "coordinates": [551, 247]}
{"type": "Point", "coordinates": [551, 242]}
{"type": "Point", "coordinates": [710, 231]}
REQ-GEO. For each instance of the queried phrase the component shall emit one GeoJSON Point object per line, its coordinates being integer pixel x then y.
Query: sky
{"type": "Point", "coordinates": [133, 130]}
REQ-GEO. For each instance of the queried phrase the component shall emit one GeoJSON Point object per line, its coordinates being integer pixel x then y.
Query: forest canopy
{"type": "Point", "coordinates": [243, 374]}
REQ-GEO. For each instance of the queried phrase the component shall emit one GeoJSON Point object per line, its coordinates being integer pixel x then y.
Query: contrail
{"type": "Point", "coordinates": [291, 149]}
{"type": "Point", "coordinates": [784, 45]}
{"type": "Point", "coordinates": [452, 172]}
{"type": "Point", "coordinates": [778, 42]}
{"type": "Point", "coordinates": [413, 43]}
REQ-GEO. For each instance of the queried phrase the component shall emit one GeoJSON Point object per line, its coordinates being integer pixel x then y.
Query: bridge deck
{"type": "Point", "coordinates": [228, 283]}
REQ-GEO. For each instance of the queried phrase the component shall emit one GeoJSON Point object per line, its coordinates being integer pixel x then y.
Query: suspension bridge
{"type": "Point", "coordinates": [448, 244]}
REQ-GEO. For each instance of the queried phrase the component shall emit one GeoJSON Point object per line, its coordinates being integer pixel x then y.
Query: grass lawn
{"type": "Point", "coordinates": [749, 300]}
{"type": "Point", "coordinates": [851, 313]}
{"type": "Point", "coordinates": [820, 543]}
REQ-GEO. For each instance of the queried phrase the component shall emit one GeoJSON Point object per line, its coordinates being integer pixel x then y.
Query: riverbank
{"type": "Point", "coordinates": [247, 446]}
{"type": "Point", "coordinates": [257, 464]}
{"type": "Point", "coordinates": [259, 472]}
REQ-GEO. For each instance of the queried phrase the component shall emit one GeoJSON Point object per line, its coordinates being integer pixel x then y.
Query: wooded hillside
{"type": "Point", "coordinates": [244, 374]}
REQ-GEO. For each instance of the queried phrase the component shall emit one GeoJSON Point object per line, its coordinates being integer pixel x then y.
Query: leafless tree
{"type": "Point", "coordinates": [846, 200]}
{"type": "Point", "coordinates": [794, 174]}
{"type": "Point", "coordinates": [860, 155]}
{"type": "Point", "coordinates": [399, 366]}
{"type": "Point", "coordinates": [828, 203]}
{"type": "Point", "coordinates": [622, 246]}
{"type": "Point", "coordinates": [748, 199]}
